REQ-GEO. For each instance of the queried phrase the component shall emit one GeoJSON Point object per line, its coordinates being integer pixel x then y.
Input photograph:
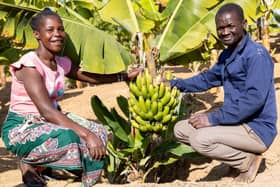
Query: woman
{"type": "Point", "coordinates": [35, 129]}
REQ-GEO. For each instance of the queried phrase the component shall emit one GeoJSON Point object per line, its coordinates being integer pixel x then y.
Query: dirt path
{"type": "Point", "coordinates": [194, 174]}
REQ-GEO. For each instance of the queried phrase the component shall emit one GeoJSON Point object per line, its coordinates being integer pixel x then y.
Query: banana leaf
{"type": "Point", "coordinates": [122, 122]}
{"type": "Point", "coordinates": [150, 10]}
{"type": "Point", "coordinates": [276, 4]}
{"type": "Point", "coordinates": [107, 119]}
{"type": "Point", "coordinates": [186, 30]}
{"type": "Point", "coordinates": [123, 104]}
{"type": "Point", "coordinates": [95, 50]}
{"type": "Point", "coordinates": [121, 10]}
{"type": "Point", "coordinates": [124, 13]}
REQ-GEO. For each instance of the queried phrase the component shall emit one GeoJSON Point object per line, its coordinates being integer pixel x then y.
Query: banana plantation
{"type": "Point", "coordinates": [110, 36]}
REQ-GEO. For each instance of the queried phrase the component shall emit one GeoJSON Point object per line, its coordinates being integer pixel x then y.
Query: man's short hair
{"type": "Point", "coordinates": [231, 7]}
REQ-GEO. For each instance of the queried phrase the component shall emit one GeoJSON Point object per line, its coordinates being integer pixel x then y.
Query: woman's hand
{"type": "Point", "coordinates": [95, 146]}
{"type": "Point", "coordinates": [134, 73]}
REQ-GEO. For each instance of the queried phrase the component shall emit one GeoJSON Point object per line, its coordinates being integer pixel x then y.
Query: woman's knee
{"type": "Point", "coordinates": [71, 136]}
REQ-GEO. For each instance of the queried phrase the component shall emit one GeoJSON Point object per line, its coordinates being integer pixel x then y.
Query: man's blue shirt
{"type": "Point", "coordinates": [247, 75]}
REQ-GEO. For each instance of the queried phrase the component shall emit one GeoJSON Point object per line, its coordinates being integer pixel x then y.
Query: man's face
{"type": "Point", "coordinates": [230, 28]}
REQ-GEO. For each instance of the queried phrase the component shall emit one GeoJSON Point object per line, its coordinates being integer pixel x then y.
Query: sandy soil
{"type": "Point", "coordinates": [191, 173]}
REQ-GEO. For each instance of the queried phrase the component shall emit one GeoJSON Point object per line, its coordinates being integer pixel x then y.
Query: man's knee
{"type": "Point", "coordinates": [180, 129]}
{"type": "Point", "coordinates": [200, 141]}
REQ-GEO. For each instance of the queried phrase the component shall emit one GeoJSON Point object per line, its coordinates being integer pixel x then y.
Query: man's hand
{"type": "Point", "coordinates": [199, 120]}
{"type": "Point", "coordinates": [164, 81]}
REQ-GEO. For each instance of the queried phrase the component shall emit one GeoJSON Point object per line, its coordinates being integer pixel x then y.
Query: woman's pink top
{"type": "Point", "coordinates": [21, 103]}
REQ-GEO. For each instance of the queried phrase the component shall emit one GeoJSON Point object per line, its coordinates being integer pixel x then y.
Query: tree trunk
{"type": "Point", "coordinates": [79, 84]}
{"type": "Point", "coordinates": [2, 76]}
{"type": "Point", "coordinates": [265, 40]}
{"type": "Point", "coordinates": [259, 28]}
{"type": "Point", "coordinates": [213, 59]}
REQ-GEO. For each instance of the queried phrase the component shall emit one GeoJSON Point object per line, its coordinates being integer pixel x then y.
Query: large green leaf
{"type": "Point", "coordinates": [121, 10]}
{"type": "Point", "coordinates": [186, 30]}
{"type": "Point", "coordinates": [95, 50]}
{"type": "Point", "coordinates": [124, 13]}
{"type": "Point", "coordinates": [276, 4]}
{"type": "Point", "coordinates": [123, 104]}
{"type": "Point", "coordinates": [106, 118]}
{"type": "Point", "coordinates": [150, 10]}
{"type": "Point", "coordinates": [122, 122]}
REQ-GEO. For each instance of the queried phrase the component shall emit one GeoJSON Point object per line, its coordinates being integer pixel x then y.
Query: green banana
{"type": "Point", "coordinates": [144, 81]}
{"type": "Point", "coordinates": [156, 88]}
{"type": "Point", "coordinates": [132, 101]}
{"type": "Point", "coordinates": [171, 101]}
{"type": "Point", "coordinates": [158, 116]}
{"type": "Point", "coordinates": [150, 115]}
{"type": "Point", "coordinates": [157, 127]}
{"type": "Point", "coordinates": [148, 104]}
{"type": "Point", "coordinates": [144, 91]}
{"type": "Point", "coordinates": [168, 75]}
{"type": "Point", "coordinates": [154, 97]}
{"type": "Point", "coordinates": [141, 121]}
{"type": "Point", "coordinates": [154, 107]}
{"type": "Point", "coordinates": [174, 92]}
{"type": "Point", "coordinates": [161, 90]}
{"type": "Point", "coordinates": [143, 128]}
{"type": "Point", "coordinates": [141, 104]}
{"type": "Point", "coordinates": [136, 109]}
{"type": "Point", "coordinates": [146, 115]}
{"type": "Point", "coordinates": [174, 105]}
{"type": "Point", "coordinates": [174, 118]}
{"type": "Point", "coordinates": [134, 89]}
{"type": "Point", "coordinates": [148, 77]}
{"type": "Point", "coordinates": [131, 96]}
{"type": "Point", "coordinates": [149, 127]}
{"type": "Point", "coordinates": [165, 99]}
{"type": "Point", "coordinates": [166, 118]}
{"type": "Point", "coordinates": [164, 128]}
{"type": "Point", "coordinates": [160, 106]}
{"type": "Point", "coordinates": [166, 110]}
{"type": "Point", "coordinates": [134, 124]}
{"type": "Point", "coordinates": [139, 81]}
{"type": "Point", "coordinates": [151, 90]}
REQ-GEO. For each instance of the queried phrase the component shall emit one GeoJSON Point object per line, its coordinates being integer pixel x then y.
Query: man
{"type": "Point", "coordinates": [245, 126]}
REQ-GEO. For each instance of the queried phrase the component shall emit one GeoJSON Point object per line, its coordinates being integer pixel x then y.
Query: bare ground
{"type": "Point", "coordinates": [199, 172]}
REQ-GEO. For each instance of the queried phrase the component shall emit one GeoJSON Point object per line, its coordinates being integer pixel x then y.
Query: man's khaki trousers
{"type": "Point", "coordinates": [235, 145]}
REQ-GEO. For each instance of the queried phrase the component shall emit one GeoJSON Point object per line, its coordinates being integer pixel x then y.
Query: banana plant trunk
{"type": "Point", "coordinates": [147, 55]}
{"type": "Point", "coordinates": [151, 65]}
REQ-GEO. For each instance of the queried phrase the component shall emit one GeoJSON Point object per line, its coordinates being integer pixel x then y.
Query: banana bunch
{"type": "Point", "coordinates": [152, 107]}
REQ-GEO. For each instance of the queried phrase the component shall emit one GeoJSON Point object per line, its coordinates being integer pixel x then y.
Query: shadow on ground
{"type": "Point", "coordinates": [215, 174]}
{"type": "Point", "coordinates": [4, 102]}
{"type": "Point", "coordinates": [8, 160]}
